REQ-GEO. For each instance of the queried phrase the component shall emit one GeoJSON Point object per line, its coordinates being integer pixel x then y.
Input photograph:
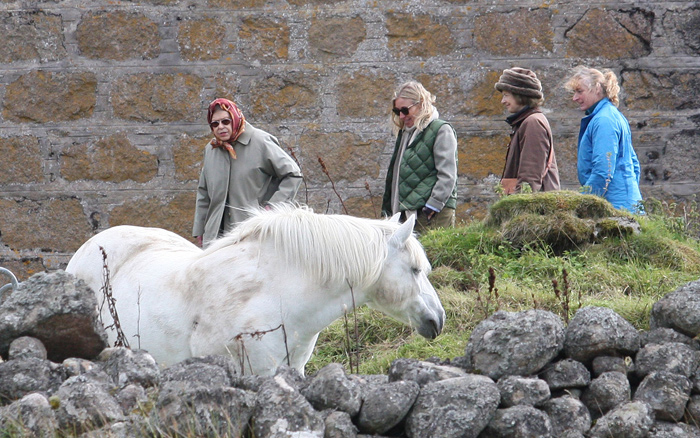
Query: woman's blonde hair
{"type": "Point", "coordinates": [424, 100]}
{"type": "Point", "coordinates": [591, 78]}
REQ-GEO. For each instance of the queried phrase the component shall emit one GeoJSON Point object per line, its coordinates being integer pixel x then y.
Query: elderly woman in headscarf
{"type": "Point", "coordinates": [244, 169]}
{"type": "Point", "coordinates": [422, 174]}
{"type": "Point", "coordinates": [530, 157]}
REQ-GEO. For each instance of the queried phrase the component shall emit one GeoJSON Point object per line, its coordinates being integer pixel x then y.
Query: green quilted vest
{"type": "Point", "coordinates": [417, 172]}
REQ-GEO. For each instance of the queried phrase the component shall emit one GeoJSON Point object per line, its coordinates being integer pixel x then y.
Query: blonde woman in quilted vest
{"type": "Point", "coordinates": [422, 174]}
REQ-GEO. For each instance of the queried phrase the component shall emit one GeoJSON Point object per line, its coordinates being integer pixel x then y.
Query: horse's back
{"type": "Point", "coordinates": [118, 245]}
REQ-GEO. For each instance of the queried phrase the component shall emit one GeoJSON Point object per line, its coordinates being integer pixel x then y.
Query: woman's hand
{"type": "Point", "coordinates": [429, 212]}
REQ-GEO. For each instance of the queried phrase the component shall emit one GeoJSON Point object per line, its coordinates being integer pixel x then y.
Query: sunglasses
{"type": "Point", "coordinates": [403, 110]}
{"type": "Point", "coordinates": [224, 122]}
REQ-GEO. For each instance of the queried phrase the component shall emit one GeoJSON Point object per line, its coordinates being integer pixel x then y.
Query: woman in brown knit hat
{"type": "Point", "coordinates": [530, 157]}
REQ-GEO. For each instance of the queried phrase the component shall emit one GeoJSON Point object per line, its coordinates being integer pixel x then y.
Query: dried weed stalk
{"type": "Point", "coordinates": [371, 200]}
{"type": "Point", "coordinates": [350, 350]}
{"type": "Point", "coordinates": [491, 303]}
{"type": "Point", "coordinates": [243, 356]}
{"type": "Point", "coordinates": [303, 178]}
{"type": "Point", "coordinates": [325, 170]}
{"type": "Point", "coordinates": [564, 296]}
{"type": "Point", "coordinates": [108, 298]}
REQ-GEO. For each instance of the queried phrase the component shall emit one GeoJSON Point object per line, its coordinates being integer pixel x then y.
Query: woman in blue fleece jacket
{"type": "Point", "coordinates": [607, 163]}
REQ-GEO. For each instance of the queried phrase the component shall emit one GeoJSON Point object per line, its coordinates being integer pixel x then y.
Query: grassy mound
{"type": "Point", "coordinates": [562, 220]}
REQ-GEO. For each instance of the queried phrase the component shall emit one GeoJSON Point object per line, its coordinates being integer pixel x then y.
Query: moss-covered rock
{"type": "Point", "coordinates": [560, 230]}
{"type": "Point", "coordinates": [561, 220]}
{"type": "Point", "coordinates": [548, 203]}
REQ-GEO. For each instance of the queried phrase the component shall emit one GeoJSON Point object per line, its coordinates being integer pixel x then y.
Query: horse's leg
{"type": "Point", "coordinates": [304, 356]}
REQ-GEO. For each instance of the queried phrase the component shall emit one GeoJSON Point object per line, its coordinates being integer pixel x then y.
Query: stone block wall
{"type": "Point", "coordinates": [103, 103]}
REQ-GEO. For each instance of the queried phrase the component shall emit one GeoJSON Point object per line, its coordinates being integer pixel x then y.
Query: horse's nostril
{"type": "Point", "coordinates": [430, 328]}
{"type": "Point", "coordinates": [436, 328]}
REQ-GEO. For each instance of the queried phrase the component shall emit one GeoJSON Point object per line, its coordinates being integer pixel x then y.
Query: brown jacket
{"type": "Point", "coordinates": [528, 156]}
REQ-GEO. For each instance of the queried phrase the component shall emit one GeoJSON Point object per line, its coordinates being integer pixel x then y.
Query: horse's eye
{"type": "Point", "coordinates": [415, 271]}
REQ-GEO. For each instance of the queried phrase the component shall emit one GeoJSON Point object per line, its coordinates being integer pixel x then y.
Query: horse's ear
{"type": "Point", "coordinates": [401, 235]}
{"type": "Point", "coordinates": [395, 218]}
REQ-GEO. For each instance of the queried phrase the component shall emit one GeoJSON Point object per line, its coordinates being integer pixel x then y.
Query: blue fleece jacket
{"type": "Point", "coordinates": [607, 162]}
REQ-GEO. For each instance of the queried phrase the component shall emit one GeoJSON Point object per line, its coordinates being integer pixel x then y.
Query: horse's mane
{"type": "Point", "coordinates": [331, 248]}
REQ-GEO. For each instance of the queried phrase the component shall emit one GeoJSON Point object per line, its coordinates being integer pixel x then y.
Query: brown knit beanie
{"type": "Point", "coordinates": [520, 81]}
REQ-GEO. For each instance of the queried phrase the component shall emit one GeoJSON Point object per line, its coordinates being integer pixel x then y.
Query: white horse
{"type": "Point", "coordinates": [263, 292]}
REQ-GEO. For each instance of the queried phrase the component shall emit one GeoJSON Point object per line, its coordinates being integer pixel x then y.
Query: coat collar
{"type": "Point", "coordinates": [517, 118]}
{"type": "Point", "coordinates": [247, 135]}
{"type": "Point", "coordinates": [597, 106]}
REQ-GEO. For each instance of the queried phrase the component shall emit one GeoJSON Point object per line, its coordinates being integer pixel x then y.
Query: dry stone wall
{"type": "Point", "coordinates": [102, 103]}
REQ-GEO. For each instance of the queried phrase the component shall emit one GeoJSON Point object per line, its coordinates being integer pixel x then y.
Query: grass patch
{"type": "Point", "coordinates": [627, 272]}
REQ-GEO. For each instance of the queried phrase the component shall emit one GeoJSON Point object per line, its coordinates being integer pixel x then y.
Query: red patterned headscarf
{"type": "Point", "coordinates": [237, 120]}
